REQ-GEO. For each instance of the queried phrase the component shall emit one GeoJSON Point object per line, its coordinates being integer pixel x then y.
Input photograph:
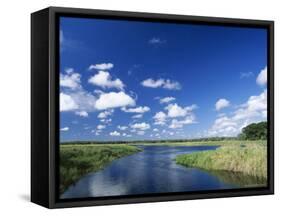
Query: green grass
{"type": "Point", "coordinates": [206, 143]}
{"type": "Point", "coordinates": [78, 160]}
{"type": "Point", "coordinates": [249, 158]}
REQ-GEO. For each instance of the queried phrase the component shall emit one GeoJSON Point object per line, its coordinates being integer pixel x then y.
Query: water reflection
{"type": "Point", "coordinates": [151, 171]}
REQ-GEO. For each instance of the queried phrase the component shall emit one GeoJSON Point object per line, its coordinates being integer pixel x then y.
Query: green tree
{"type": "Point", "coordinates": [254, 131]}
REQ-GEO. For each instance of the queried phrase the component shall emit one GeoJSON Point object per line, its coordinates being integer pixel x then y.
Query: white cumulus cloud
{"type": "Point", "coordinates": [153, 83]}
{"type": "Point", "coordinates": [139, 109]}
{"type": "Point", "coordinates": [103, 79]}
{"type": "Point", "coordinates": [166, 84]}
{"type": "Point", "coordinates": [172, 85]}
{"type": "Point", "coordinates": [122, 127]}
{"type": "Point", "coordinates": [190, 119]}
{"type": "Point", "coordinates": [262, 77]}
{"type": "Point", "coordinates": [105, 114]}
{"type": "Point", "coordinates": [113, 100]}
{"type": "Point", "coordinates": [78, 101]}
{"type": "Point", "coordinates": [106, 121]}
{"type": "Point", "coordinates": [160, 118]}
{"type": "Point", "coordinates": [64, 129]}
{"type": "Point", "coordinates": [114, 133]}
{"type": "Point", "coordinates": [254, 110]}
{"type": "Point", "coordinates": [166, 100]}
{"type": "Point", "coordinates": [141, 126]}
{"type": "Point", "coordinates": [222, 103]}
{"type": "Point", "coordinates": [70, 79]}
{"type": "Point", "coordinates": [74, 97]}
{"type": "Point", "coordinates": [82, 113]}
{"type": "Point", "coordinates": [67, 103]}
{"type": "Point", "coordinates": [137, 116]}
{"type": "Point", "coordinates": [102, 66]}
{"type": "Point", "coordinates": [101, 127]}
{"type": "Point", "coordinates": [174, 110]}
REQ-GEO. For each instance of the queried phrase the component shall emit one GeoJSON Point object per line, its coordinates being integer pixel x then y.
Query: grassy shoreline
{"type": "Point", "coordinates": [208, 143]}
{"type": "Point", "coordinates": [176, 143]}
{"type": "Point", "coordinates": [249, 159]}
{"type": "Point", "coordinates": [78, 160]}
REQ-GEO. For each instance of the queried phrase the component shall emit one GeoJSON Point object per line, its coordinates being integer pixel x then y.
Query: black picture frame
{"type": "Point", "coordinates": [45, 106]}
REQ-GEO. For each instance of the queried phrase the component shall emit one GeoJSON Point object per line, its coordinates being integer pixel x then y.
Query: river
{"type": "Point", "coordinates": [151, 171]}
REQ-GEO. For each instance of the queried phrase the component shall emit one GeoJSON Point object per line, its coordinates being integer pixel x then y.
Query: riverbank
{"type": "Point", "coordinates": [247, 158]}
{"type": "Point", "coordinates": [208, 143]}
{"type": "Point", "coordinates": [224, 142]}
{"type": "Point", "coordinates": [78, 160]}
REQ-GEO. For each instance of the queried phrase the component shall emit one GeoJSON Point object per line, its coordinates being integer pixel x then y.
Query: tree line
{"type": "Point", "coordinates": [254, 131]}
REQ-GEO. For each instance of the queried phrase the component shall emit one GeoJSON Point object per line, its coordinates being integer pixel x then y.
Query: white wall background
{"type": "Point", "coordinates": [15, 106]}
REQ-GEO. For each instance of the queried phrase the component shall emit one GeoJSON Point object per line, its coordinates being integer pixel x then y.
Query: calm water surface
{"type": "Point", "coordinates": [151, 171]}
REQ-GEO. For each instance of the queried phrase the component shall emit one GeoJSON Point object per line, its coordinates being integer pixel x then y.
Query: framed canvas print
{"type": "Point", "coordinates": [139, 107]}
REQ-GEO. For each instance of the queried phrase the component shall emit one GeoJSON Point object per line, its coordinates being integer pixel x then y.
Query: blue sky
{"type": "Point", "coordinates": [128, 80]}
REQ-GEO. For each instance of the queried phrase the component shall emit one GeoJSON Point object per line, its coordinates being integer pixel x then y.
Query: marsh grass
{"type": "Point", "coordinates": [248, 158]}
{"type": "Point", "coordinates": [239, 178]}
{"type": "Point", "coordinates": [78, 160]}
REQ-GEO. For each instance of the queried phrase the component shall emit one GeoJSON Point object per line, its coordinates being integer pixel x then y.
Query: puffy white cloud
{"type": "Point", "coordinates": [153, 84]}
{"type": "Point", "coordinates": [85, 101]}
{"type": "Point", "coordinates": [137, 116]}
{"type": "Point", "coordinates": [113, 100]}
{"type": "Point", "coordinates": [82, 113]}
{"type": "Point", "coordinates": [174, 110]}
{"type": "Point", "coordinates": [222, 103]}
{"type": "Point", "coordinates": [64, 129]}
{"type": "Point", "coordinates": [141, 126]}
{"type": "Point", "coordinates": [70, 80]}
{"type": "Point", "coordinates": [262, 77]}
{"type": "Point", "coordinates": [173, 85]}
{"type": "Point", "coordinates": [122, 127]}
{"type": "Point", "coordinates": [105, 114]}
{"type": "Point", "coordinates": [67, 103]}
{"type": "Point", "coordinates": [74, 97]}
{"type": "Point", "coordinates": [69, 70]}
{"type": "Point", "coordinates": [114, 133]}
{"type": "Point", "coordinates": [254, 107]}
{"type": "Point", "coordinates": [101, 127]}
{"type": "Point", "coordinates": [139, 109]}
{"type": "Point", "coordinates": [155, 130]}
{"type": "Point", "coordinates": [160, 118]}
{"type": "Point", "coordinates": [166, 100]}
{"type": "Point", "coordinates": [254, 110]}
{"type": "Point", "coordinates": [166, 84]}
{"type": "Point", "coordinates": [106, 121]}
{"type": "Point", "coordinates": [104, 80]}
{"type": "Point", "coordinates": [223, 126]}
{"type": "Point", "coordinates": [102, 66]}
{"type": "Point", "coordinates": [190, 119]}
